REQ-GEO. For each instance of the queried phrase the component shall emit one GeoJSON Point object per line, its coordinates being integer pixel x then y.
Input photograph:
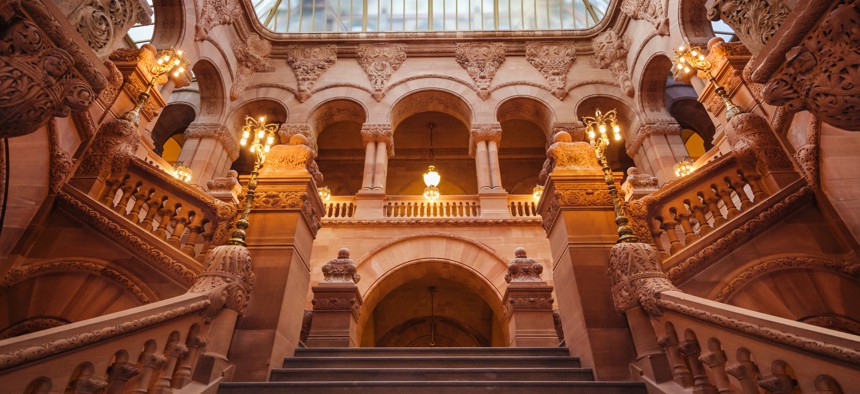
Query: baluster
{"type": "Point", "coordinates": [690, 350]}
{"type": "Point", "coordinates": [150, 362]}
{"type": "Point", "coordinates": [754, 181]}
{"type": "Point", "coordinates": [780, 381]}
{"type": "Point", "coordinates": [207, 241]}
{"type": "Point", "coordinates": [689, 235]}
{"type": "Point", "coordinates": [127, 192]}
{"type": "Point", "coordinates": [513, 208]}
{"type": "Point", "coordinates": [140, 198]}
{"type": "Point", "coordinates": [658, 242]}
{"type": "Point", "coordinates": [669, 343]}
{"type": "Point", "coordinates": [195, 229]}
{"type": "Point", "coordinates": [110, 190]}
{"type": "Point", "coordinates": [167, 213]}
{"type": "Point", "coordinates": [716, 359]}
{"type": "Point", "coordinates": [674, 242]}
{"type": "Point", "coordinates": [154, 206]}
{"type": "Point", "coordinates": [476, 208]}
{"type": "Point", "coordinates": [726, 195]}
{"type": "Point", "coordinates": [179, 229]}
{"type": "Point", "coordinates": [118, 375]}
{"type": "Point", "coordinates": [699, 213]}
{"type": "Point", "coordinates": [738, 187]}
{"type": "Point", "coordinates": [174, 351]}
{"type": "Point", "coordinates": [745, 371]}
{"type": "Point", "coordinates": [715, 210]}
{"type": "Point", "coordinates": [89, 385]}
{"type": "Point", "coordinates": [183, 374]}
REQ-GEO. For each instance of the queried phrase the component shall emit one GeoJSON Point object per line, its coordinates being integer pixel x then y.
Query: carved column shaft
{"type": "Point", "coordinates": [380, 169]}
{"type": "Point", "coordinates": [482, 166]}
{"type": "Point", "coordinates": [369, 164]}
{"type": "Point", "coordinates": [495, 171]}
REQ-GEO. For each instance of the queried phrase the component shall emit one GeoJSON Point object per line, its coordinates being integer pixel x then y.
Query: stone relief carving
{"type": "Point", "coordinates": [754, 143]}
{"type": "Point", "coordinates": [553, 60]}
{"type": "Point", "coordinates": [112, 149]}
{"type": "Point", "coordinates": [372, 132]}
{"type": "Point", "coordinates": [647, 130]}
{"type": "Point", "coordinates": [610, 51]}
{"type": "Point", "coordinates": [211, 13]}
{"type": "Point", "coordinates": [590, 195]}
{"type": "Point", "coordinates": [309, 62]}
{"type": "Point", "coordinates": [252, 56]}
{"type": "Point", "coordinates": [523, 269]}
{"type": "Point", "coordinates": [135, 287]}
{"type": "Point", "coordinates": [379, 62]}
{"type": "Point", "coordinates": [340, 270]}
{"type": "Point", "coordinates": [103, 23]}
{"type": "Point", "coordinates": [572, 156]}
{"type": "Point", "coordinates": [821, 74]}
{"type": "Point", "coordinates": [115, 80]}
{"type": "Point", "coordinates": [229, 276]}
{"type": "Point", "coordinates": [32, 325]}
{"type": "Point", "coordinates": [648, 10]}
{"type": "Point", "coordinates": [636, 277]}
{"type": "Point", "coordinates": [295, 156]}
{"type": "Point", "coordinates": [61, 162]}
{"type": "Point", "coordinates": [529, 300]}
{"type": "Point", "coordinates": [807, 156]}
{"type": "Point", "coordinates": [752, 21]}
{"type": "Point", "coordinates": [846, 268]}
{"type": "Point", "coordinates": [218, 132]}
{"type": "Point", "coordinates": [481, 60]}
{"type": "Point", "coordinates": [638, 184]}
{"type": "Point", "coordinates": [484, 132]}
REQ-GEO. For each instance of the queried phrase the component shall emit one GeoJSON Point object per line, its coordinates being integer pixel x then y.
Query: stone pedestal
{"type": "Point", "coordinates": [494, 204]}
{"type": "Point", "coordinates": [369, 204]}
{"type": "Point", "coordinates": [528, 310]}
{"type": "Point", "coordinates": [335, 320]}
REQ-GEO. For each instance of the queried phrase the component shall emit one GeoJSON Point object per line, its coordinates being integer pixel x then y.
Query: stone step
{"type": "Point", "coordinates": [464, 361]}
{"type": "Point", "coordinates": [430, 374]}
{"type": "Point", "coordinates": [432, 351]}
{"type": "Point", "coordinates": [449, 387]}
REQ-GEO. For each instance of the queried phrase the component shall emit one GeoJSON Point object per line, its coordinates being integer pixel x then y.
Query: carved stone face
{"type": "Point", "coordinates": [56, 62]}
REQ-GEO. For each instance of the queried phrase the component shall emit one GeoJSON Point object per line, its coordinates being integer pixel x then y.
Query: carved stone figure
{"type": "Point", "coordinates": [553, 60]}
{"type": "Point", "coordinates": [610, 50]}
{"type": "Point", "coordinates": [252, 56]}
{"type": "Point", "coordinates": [379, 63]}
{"type": "Point", "coordinates": [309, 62]}
{"type": "Point", "coordinates": [481, 60]}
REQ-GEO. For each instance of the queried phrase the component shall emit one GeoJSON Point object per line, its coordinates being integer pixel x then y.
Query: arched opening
{"type": "Point", "coordinates": [274, 111]}
{"type": "Point", "coordinates": [616, 154]}
{"type": "Point", "coordinates": [430, 303]}
{"type": "Point", "coordinates": [525, 125]}
{"type": "Point", "coordinates": [695, 26]}
{"type": "Point", "coordinates": [652, 89]}
{"type": "Point", "coordinates": [337, 126]}
{"type": "Point", "coordinates": [212, 92]}
{"type": "Point", "coordinates": [697, 128]}
{"type": "Point", "coordinates": [168, 134]}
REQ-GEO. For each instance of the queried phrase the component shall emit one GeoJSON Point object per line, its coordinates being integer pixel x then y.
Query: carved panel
{"type": "Point", "coordinates": [610, 51]}
{"type": "Point", "coordinates": [481, 60]}
{"type": "Point", "coordinates": [380, 62]}
{"type": "Point", "coordinates": [553, 60]}
{"type": "Point", "coordinates": [104, 23]}
{"type": "Point", "coordinates": [252, 56]}
{"type": "Point", "coordinates": [211, 13]}
{"type": "Point", "coordinates": [648, 10]}
{"type": "Point", "coordinates": [754, 22]}
{"type": "Point", "coordinates": [309, 62]}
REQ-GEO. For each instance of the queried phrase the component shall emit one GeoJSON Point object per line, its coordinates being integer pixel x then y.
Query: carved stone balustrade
{"type": "Point", "coordinates": [444, 207]}
{"type": "Point", "coordinates": [524, 206]}
{"type": "Point", "coordinates": [339, 207]}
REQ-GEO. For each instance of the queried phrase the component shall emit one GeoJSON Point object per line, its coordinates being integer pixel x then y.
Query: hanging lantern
{"type": "Point", "coordinates": [181, 172]}
{"type": "Point", "coordinates": [325, 193]}
{"type": "Point", "coordinates": [537, 192]}
{"type": "Point", "coordinates": [431, 180]}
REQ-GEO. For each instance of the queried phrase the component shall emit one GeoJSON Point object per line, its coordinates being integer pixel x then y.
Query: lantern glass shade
{"type": "Point", "coordinates": [432, 177]}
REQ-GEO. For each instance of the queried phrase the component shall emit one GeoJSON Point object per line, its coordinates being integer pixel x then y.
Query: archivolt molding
{"type": "Point", "coordinates": [432, 76]}
{"type": "Point", "coordinates": [343, 85]}
{"type": "Point", "coordinates": [283, 87]}
{"type": "Point", "coordinates": [90, 266]}
{"type": "Point", "coordinates": [833, 321]}
{"type": "Point", "coordinates": [848, 269]}
{"type": "Point", "coordinates": [32, 324]}
{"type": "Point", "coordinates": [433, 234]}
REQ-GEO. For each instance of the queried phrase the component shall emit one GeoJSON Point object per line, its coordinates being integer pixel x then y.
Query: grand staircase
{"type": "Point", "coordinates": [432, 370]}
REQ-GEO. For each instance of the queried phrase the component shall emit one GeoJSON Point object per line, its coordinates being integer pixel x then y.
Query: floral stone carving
{"type": "Point", "coordinates": [481, 60]}
{"type": "Point", "coordinates": [610, 51]}
{"type": "Point", "coordinates": [211, 13]}
{"type": "Point", "coordinates": [252, 55]}
{"type": "Point", "coordinates": [379, 63]}
{"type": "Point", "coordinates": [753, 22]}
{"type": "Point", "coordinates": [228, 276]}
{"type": "Point", "coordinates": [636, 277]}
{"type": "Point", "coordinates": [112, 149]}
{"type": "Point", "coordinates": [572, 156]}
{"type": "Point", "coordinates": [523, 269]}
{"type": "Point", "coordinates": [755, 143]}
{"type": "Point", "coordinates": [821, 74]}
{"type": "Point", "coordinates": [484, 132]}
{"type": "Point", "coordinates": [103, 23]}
{"type": "Point", "coordinates": [648, 10]}
{"type": "Point", "coordinates": [218, 132]}
{"type": "Point", "coordinates": [553, 60]}
{"type": "Point", "coordinates": [340, 270]}
{"type": "Point", "coordinates": [309, 62]}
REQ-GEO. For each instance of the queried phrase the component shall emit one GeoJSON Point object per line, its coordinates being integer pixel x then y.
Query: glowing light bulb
{"type": "Point", "coordinates": [266, 148]}
{"type": "Point", "coordinates": [160, 61]}
{"type": "Point", "coordinates": [432, 177]}
{"type": "Point", "coordinates": [680, 66]}
{"type": "Point", "coordinates": [262, 119]}
{"type": "Point", "coordinates": [616, 128]}
{"type": "Point", "coordinates": [165, 58]}
{"type": "Point", "coordinates": [617, 137]}
{"type": "Point", "coordinates": [270, 140]}
{"type": "Point", "coordinates": [261, 133]}
{"type": "Point", "coordinates": [686, 69]}
{"type": "Point", "coordinates": [243, 142]}
{"type": "Point", "coordinates": [682, 59]}
{"type": "Point", "coordinates": [179, 52]}
{"type": "Point", "coordinates": [681, 48]}
{"type": "Point", "coordinates": [602, 128]}
{"type": "Point", "coordinates": [253, 148]}
{"type": "Point", "coordinates": [245, 134]}
{"type": "Point", "coordinates": [176, 62]}
{"type": "Point", "coordinates": [591, 135]}
{"type": "Point", "coordinates": [694, 53]}
{"type": "Point", "coordinates": [175, 73]}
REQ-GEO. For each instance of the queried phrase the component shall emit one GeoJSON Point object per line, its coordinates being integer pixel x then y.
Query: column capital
{"type": "Point", "coordinates": [378, 132]}
{"type": "Point", "coordinates": [645, 130]}
{"type": "Point", "coordinates": [484, 132]}
{"type": "Point", "coordinates": [217, 132]}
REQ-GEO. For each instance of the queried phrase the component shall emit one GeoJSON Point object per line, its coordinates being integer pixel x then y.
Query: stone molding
{"type": "Point", "coordinates": [636, 277]}
{"type": "Point", "coordinates": [335, 298]}
{"type": "Point", "coordinates": [807, 156]}
{"type": "Point", "coordinates": [211, 13]}
{"type": "Point", "coordinates": [296, 156]}
{"type": "Point", "coordinates": [218, 132]}
{"type": "Point", "coordinates": [650, 11]}
{"type": "Point", "coordinates": [379, 62]}
{"type": "Point", "coordinates": [553, 60]}
{"type": "Point", "coordinates": [340, 270]}
{"type": "Point", "coordinates": [435, 234]}
{"type": "Point", "coordinates": [104, 23]}
{"type": "Point", "coordinates": [528, 298]}
{"type": "Point", "coordinates": [32, 325]}
{"type": "Point", "coordinates": [288, 200]}
{"type": "Point", "coordinates": [484, 132]}
{"type": "Point", "coordinates": [481, 60]}
{"type": "Point", "coordinates": [229, 276]}
{"type": "Point", "coordinates": [225, 185]}
{"type": "Point", "coordinates": [309, 62]}
{"type": "Point", "coordinates": [431, 221]}
{"type": "Point", "coordinates": [648, 129]}
{"type": "Point", "coordinates": [252, 56]}
{"type": "Point", "coordinates": [583, 195]}
{"type": "Point", "coordinates": [753, 22]}
{"type": "Point", "coordinates": [523, 269]}
{"type": "Point", "coordinates": [820, 74]}
{"type": "Point", "coordinates": [610, 51]}
{"type": "Point", "coordinates": [61, 162]}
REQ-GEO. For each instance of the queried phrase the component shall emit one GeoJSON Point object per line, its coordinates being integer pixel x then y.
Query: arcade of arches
{"type": "Point", "coordinates": [120, 273]}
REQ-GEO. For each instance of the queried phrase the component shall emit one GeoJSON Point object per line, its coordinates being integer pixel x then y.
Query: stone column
{"type": "Point", "coordinates": [379, 147]}
{"type": "Point", "coordinates": [209, 151]}
{"type": "Point", "coordinates": [336, 304]}
{"type": "Point", "coordinates": [483, 146]}
{"type": "Point", "coordinates": [482, 166]}
{"type": "Point", "coordinates": [380, 169]}
{"type": "Point", "coordinates": [528, 304]}
{"type": "Point", "coordinates": [369, 164]}
{"type": "Point", "coordinates": [656, 147]}
{"type": "Point", "coordinates": [283, 225]}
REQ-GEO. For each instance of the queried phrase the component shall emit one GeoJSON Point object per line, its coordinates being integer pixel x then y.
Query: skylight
{"type": "Point", "coordinates": [305, 16]}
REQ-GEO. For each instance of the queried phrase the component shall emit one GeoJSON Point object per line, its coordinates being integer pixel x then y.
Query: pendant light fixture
{"type": "Point", "coordinates": [431, 176]}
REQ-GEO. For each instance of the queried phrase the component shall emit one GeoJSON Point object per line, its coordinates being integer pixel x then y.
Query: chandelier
{"type": "Point", "coordinates": [684, 167]}
{"type": "Point", "coordinates": [431, 176]}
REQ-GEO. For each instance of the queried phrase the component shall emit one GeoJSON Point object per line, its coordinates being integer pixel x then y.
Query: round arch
{"type": "Point", "coordinates": [336, 135]}
{"type": "Point", "coordinates": [526, 127]}
{"type": "Point", "coordinates": [174, 119]}
{"type": "Point", "coordinates": [652, 86]}
{"type": "Point", "coordinates": [211, 90]}
{"type": "Point", "coordinates": [170, 23]}
{"type": "Point", "coordinates": [431, 101]}
{"type": "Point", "coordinates": [336, 110]}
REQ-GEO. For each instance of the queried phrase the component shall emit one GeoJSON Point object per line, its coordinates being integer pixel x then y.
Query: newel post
{"type": "Point", "coordinates": [528, 304]}
{"type": "Point", "coordinates": [336, 305]}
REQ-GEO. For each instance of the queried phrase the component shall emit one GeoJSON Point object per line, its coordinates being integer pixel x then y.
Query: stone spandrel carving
{"type": "Point", "coordinates": [309, 62]}
{"type": "Point", "coordinates": [610, 51]}
{"type": "Point", "coordinates": [523, 269]}
{"type": "Point", "coordinates": [37, 80]}
{"type": "Point", "coordinates": [651, 11]}
{"type": "Point", "coordinates": [636, 277]}
{"type": "Point", "coordinates": [341, 270]}
{"type": "Point", "coordinates": [553, 60]}
{"type": "Point", "coordinates": [379, 62]}
{"type": "Point", "coordinates": [211, 13]}
{"type": "Point", "coordinates": [252, 56]}
{"type": "Point", "coordinates": [481, 60]}
{"type": "Point", "coordinates": [104, 23]}
{"type": "Point", "coordinates": [821, 75]}
{"type": "Point", "coordinates": [754, 22]}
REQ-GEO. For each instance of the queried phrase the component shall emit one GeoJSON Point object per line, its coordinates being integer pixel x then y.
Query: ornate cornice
{"type": "Point", "coordinates": [431, 222]}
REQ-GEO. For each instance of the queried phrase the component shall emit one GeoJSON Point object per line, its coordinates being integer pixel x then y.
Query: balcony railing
{"type": "Point", "coordinates": [339, 207]}
{"type": "Point", "coordinates": [444, 207]}
{"type": "Point", "coordinates": [523, 206]}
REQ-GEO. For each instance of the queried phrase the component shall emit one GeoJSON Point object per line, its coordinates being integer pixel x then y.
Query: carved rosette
{"type": "Point", "coordinates": [553, 60]}
{"type": "Point", "coordinates": [112, 149]}
{"type": "Point", "coordinates": [648, 10]}
{"type": "Point", "coordinates": [217, 132]}
{"type": "Point", "coordinates": [481, 60]}
{"type": "Point", "coordinates": [754, 143]}
{"type": "Point", "coordinates": [340, 270]}
{"type": "Point", "coordinates": [309, 62]}
{"type": "Point", "coordinates": [636, 277]}
{"type": "Point", "coordinates": [484, 132]}
{"type": "Point", "coordinates": [103, 23]}
{"type": "Point", "coordinates": [38, 81]}
{"type": "Point", "coordinates": [752, 21]}
{"type": "Point", "coordinates": [228, 277]}
{"type": "Point", "coordinates": [610, 51]}
{"type": "Point", "coordinates": [523, 269]}
{"type": "Point", "coordinates": [252, 56]}
{"type": "Point", "coordinates": [379, 62]}
{"type": "Point", "coordinates": [211, 13]}
{"type": "Point", "coordinates": [381, 132]}
{"type": "Point", "coordinates": [821, 74]}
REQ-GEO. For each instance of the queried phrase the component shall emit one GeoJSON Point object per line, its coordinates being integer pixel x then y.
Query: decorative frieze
{"type": "Point", "coordinates": [610, 51]}
{"type": "Point", "coordinates": [553, 60]}
{"type": "Point", "coordinates": [340, 270]}
{"type": "Point", "coordinates": [309, 62]}
{"type": "Point", "coordinates": [104, 23]}
{"type": "Point", "coordinates": [217, 132]}
{"type": "Point", "coordinates": [211, 13]}
{"type": "Point", "coordinates": [252, 56]}
{"type": "Point", "coordinates": [636, 277]}
{"type": "Point", "coordinates": [754, 22]}
{"type": "Point", "coordinates": [648, 10]}
{"type": "Point", "coordinates": [481, 60]}
{"type": "Point", "coordinates": [379, 62]}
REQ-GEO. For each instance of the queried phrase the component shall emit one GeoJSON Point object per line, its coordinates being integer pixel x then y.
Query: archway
{"type": "Point", "coordinates": [526, 125]}
{"type": "Point", "coordinates": [432, 302]}
{"type": "Point", "coordinates": [168, 134]}
{"type": "Point", "coordinates": [616, 154]}
{"type": "Point", "coordinates": [337, 124]}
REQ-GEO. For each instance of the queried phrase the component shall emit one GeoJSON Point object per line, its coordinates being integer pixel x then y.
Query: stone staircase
{"type": "Point", "coordinates": [432, 370]}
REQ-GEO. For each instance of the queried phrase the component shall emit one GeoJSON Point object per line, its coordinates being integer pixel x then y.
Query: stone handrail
{"type": "Point", "coordinates": [715, 347]}
{"type": "Point", "coordinates": [187, 218]}
{"type": "Point", "coordinates": [339, 207]}
{"type": "Point", "coordinates": [444, 207]}
{"type": "Point", "coordinates": [689, 208]}
{"type": "Point", "coordinates": [523, 206]}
